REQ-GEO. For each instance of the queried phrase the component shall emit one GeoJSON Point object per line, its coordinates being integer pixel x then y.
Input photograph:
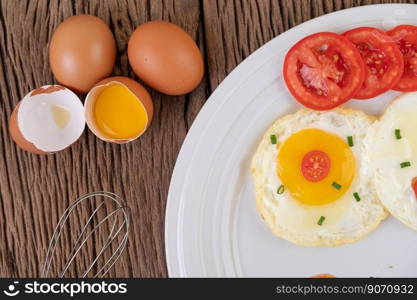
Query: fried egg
{"type": "Point", "coordinates": [312, 186]}
{"type": "Point", "coordinates": [391, 145]}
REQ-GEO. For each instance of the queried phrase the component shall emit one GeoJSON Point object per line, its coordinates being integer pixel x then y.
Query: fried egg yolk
{"type": "Point", "coordinates": [315, 166]}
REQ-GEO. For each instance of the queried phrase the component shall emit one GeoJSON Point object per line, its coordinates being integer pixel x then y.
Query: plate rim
{"type": "Point", "coordinates": [182, 164]}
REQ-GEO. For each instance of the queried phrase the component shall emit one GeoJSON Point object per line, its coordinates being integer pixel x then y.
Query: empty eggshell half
{"type": "Point", "coordinates": [47, 120]}
{"type": "Point", "coordinates": [118, 110]}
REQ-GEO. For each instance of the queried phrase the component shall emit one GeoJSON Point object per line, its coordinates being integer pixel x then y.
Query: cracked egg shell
{"type": "Point", "coordinates": [47, 120]}
{"type": "Point", "coordinates": [123, 88]}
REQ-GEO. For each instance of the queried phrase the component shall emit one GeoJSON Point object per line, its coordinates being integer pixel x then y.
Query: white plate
{"type": "Point", "coordinates": [212, 227]}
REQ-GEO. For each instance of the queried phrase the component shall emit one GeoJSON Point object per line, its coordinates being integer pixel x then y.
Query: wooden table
{"type": "Point", "coordinates": [35, 190]}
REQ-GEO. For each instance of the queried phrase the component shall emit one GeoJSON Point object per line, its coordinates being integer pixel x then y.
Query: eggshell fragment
{"type": "Point", "coordinates": [47, 120]}
{"type": "Point", "coordinates": [82, 52]}
{"type": "Point", "coordinates": [134, 87]}
{"type": "Point", "coordinates": [165, 57]}
{"type": "Point", "coordinates": [18, 137]}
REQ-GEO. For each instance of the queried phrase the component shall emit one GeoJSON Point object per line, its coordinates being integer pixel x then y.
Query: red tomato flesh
{"type": "Point", "coordinates": [325, 275]}
{"type": "Point", "coordinates": [383, 60]}
{"type": "Point", "coordinates": [414, 185]}
{"type": "Point", "coordinates": [323, 70]}
{"type": "Point", "coordinates": [315, 165]}
{"type": "Point", "coordinates": [406, 38]}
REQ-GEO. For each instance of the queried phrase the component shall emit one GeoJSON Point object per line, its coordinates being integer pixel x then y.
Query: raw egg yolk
{"type": "Point", "coordinates": [315, 166]}
{"type": "Point", "coordinates": [118, 113]}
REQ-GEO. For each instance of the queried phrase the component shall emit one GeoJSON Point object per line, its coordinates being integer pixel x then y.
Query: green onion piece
{"type": "Point", "coordinates": [321, 220]}
{"type": "Point", "coordinates": [336, 186]}
{"type": "Point", "coordinates": [405, 164]}
{"type": "Point", "coordinates": [356, 195]}
{"type": "Point", "coordinates": [273, 139]}
{"type": "Point", "coordinates": [398, 134]}
{"type": "Point", "coordinates": [281, 189]}
{"type": "Point", "coordinates": [350, 140]}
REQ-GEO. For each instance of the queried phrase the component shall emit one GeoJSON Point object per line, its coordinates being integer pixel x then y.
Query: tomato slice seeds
{"type": "Point", "coordinates": [406, 38]}
{"type": "Point", "coordinates": [315, 165]}
{"type": "Point", "coordinates": [323, 70]}
{"type": "Point", "coordinates": [383, 60]}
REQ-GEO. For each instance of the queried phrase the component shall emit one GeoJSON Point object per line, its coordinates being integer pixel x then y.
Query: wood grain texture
{"type": "Point", "coordinates": [35, 190]}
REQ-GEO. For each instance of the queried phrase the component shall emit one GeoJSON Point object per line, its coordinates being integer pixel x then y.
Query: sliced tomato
{"type": "Point", "coordinates": [323, 70]}
{"type": "Point", "coordinates": [414, 185]}
{"type": "Point", "coordinates": [315, 165]}
{"type": "Point", "coordinates": [383, 60]}
{"type": "Point", "coordinates": [406, 38]}
{"type": "Point", "coordinates": [324, 275]}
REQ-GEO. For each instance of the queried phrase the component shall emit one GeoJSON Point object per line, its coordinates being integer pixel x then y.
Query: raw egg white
{"type": "Point", "coordinates": [48, 119]}
{"type": "Point", "coordinates": [321, 210]}
{"type": "Point", "coordinates": [392, 152]}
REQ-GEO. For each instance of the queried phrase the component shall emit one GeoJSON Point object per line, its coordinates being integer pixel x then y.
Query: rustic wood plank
{"type": "Point", "coordinates": [35, 190]}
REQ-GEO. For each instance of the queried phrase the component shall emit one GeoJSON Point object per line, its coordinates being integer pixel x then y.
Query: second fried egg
{"type": "Point", "coordinates": [391, 144]}
{"type": "Point", "coordinates": [312, 187]}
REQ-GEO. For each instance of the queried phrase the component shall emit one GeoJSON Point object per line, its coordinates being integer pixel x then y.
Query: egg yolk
{"type": "Point", "coordinates": [118, 113]}
{"type": "Point", "coordinates": [315, 166]}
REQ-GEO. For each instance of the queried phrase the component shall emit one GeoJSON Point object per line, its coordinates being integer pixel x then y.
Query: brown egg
{"type": "Point", "coordinates": [165, 57]}
{"type": "Point", "coordinates": [82, 52]}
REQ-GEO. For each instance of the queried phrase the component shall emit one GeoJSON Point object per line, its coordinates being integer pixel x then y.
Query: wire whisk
{"type": "Point", "coordinates": [109, 213]}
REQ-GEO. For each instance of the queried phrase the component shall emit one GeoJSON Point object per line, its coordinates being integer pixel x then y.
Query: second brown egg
{"type": "Point", "coordinates": [165, 57]}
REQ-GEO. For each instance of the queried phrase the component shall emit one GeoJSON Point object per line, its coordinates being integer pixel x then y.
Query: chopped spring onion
{"type": "Point", "coordinates": [356, 195]}
{"type": "Point", "coordinates": [273, 139]}
{"type": "Point", "coordinates": [321, 220]}
{"type": "Point", "coordinates": [405, 164]}
{"type": "Point", "coordinates": [281, 189]}
{"type": "Point", "coordinates": [350, 140]}
{"type": "Point", "coordinates": [398, 134]}
{"type": "Point", "coordinates": [336, 186]}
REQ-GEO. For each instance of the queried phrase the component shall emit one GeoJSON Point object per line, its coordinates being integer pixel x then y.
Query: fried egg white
{"type": "Point", "coordinates": [296, 211]}
{"type": "Point", "coordinates": [388, 150]}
